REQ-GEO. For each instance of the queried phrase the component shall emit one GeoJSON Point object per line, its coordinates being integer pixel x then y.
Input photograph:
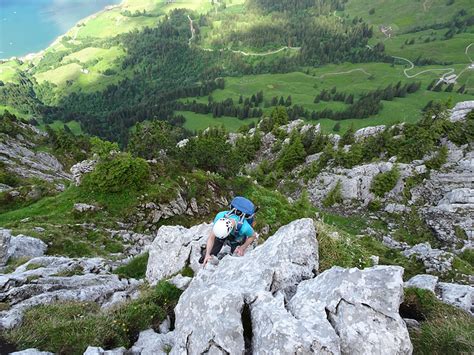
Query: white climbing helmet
{"type": "Point", "coordinates": [222, 228]}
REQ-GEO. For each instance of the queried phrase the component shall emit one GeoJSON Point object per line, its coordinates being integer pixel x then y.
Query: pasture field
{"type": "Point", "coordinates": [74, 126]}
{"type": "Point", "coordinates": [403, 15]}
{"type": "Point", "coordinates": [452, 50]}
{"type": "Point", "coordinates": [349, 78]}
{"type": "Point", "coordinates": [198, 122]}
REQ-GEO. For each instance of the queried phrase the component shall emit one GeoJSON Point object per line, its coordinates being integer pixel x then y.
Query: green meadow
{"type": "Point", "coordinates": [403, 15]}
{"type": "Point", "coordinates": [197, 122]}
{"type": "Point", "coordinates": [350, 78]}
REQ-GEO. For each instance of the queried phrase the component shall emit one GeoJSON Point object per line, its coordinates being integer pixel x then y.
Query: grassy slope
{"type": "Point", "coordinates": [198, 122]}
{"type": "Point", "coordinates": [405, 14]}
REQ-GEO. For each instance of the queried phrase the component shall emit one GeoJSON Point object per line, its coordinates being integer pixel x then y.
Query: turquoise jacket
{"type": "Point", "coordinates": [245, 231]}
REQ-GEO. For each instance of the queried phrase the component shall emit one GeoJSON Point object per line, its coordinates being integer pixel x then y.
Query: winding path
{"type": "Point", "coordinates": [346, 72]}
{"type": "Point", "coordinates": [412, 66]}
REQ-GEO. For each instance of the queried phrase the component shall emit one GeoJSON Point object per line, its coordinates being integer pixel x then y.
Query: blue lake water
{"type": "Point", "coordinates": [28, 26]}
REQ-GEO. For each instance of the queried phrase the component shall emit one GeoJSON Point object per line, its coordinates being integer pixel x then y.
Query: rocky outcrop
{"type": "Point", "coordinates": [272, 301]}
{"type": "Point", "coordinates": [461, 296]}
{"type": "Point", "coordinates": [460, 111]}
{"type": "Point", "coordinates": [435, 260]}
{"type": "Point", "coordinates": [368, 131]}
{"type": "Point", "coordinates": [45, 280]}
{"type": "Point", "coordinates": [151, 213]}
{"type": "Point", "coordinates": [447, 198]}
{"type": "Point", "coordinates": [20, 246]}
{"type": "Point", "coordinates": [84, 207]}
{"type": "Point", "coordinates": [174, 248]}
{"type": "Point", "coordinates": [19, 154]}
{"type": "Point", "coordinates": [78, 170]}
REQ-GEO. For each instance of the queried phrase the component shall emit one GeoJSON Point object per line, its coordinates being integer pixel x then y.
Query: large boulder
{"type": "Point", "coordinates": [21, 246]}
{"type": "Point", "coordinates": [361, 306]}
{"type": "Point", "coordinates": [273, 303]}
{"type": "Point", "coordinates": [174, 248]}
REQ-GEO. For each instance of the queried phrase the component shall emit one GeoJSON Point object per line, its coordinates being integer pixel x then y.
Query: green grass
{"type": "Point", "coordinates": [197, 122]}
{"type": "Point", "coordinates": [405, 14]}
{"type": "Point", "coordinates": [135, 269]}
{"type": "Point", "coordinates": [69, 328]}
{"type": "Point", "coordinates": [57, 125]}
{"type": "Point", "coordinates": [444, 329]}
{"type": "Point", "coordinates": [452, 50]}
{"type": "Point", "coordinates": [355, 79]}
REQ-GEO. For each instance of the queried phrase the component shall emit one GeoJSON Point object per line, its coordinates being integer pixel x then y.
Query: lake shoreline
{"type": "Point", "coordinates": [34, 55]}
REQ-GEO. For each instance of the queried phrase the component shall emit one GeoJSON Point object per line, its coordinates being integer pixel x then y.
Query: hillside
{"type": "Point", "coordinates": [109, 66]}
{"type": "Point", "coordinates": [348, 123]}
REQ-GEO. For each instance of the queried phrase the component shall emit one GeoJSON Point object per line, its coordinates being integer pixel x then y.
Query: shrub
{"type": "Point", "coordinates": [103, 148]}
{"type": "Point", "coordinates": [118, 173]}
{"type": "Point", "coordinates": [385, 182]}
{"type": "Point", "coordinates": [292, 154]}
{"type": "Point", "coordinates": [334, 196]}
{"type": "Point", "coordinates": [438, 160]}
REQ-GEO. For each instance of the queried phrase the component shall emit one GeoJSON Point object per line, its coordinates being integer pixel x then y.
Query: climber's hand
{"type": "Point", "coordinates": [206, 259]}
{"type": "Point", "coordinates": [240, 251]}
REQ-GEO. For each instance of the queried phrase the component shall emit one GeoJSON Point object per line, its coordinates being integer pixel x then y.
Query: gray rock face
{"type": "Point", "coordinates": [360, 305]}
{"type": "Point", "coordinates": [19, 156]}
{"type": "Point", "coordinates": [81, 168]}
{"type": "Point", "coordinates": [31, 352]}
{"type": "Point", "coordinates": [5, 237]}
{"type": "Point", "coordinates": [21, 246]}
{"type": "Point", "coordinates": [151, 343]}
{"type": "Point", "coordinates": [92, 350]}
{"type": "Point", "coordinates": [435, 260]}
{"type": "Point", "coordinates": [180, 281]}
{"type": "Point", "coordinates": [448, 198]}
{"type": "Point", "coordinates": [273, 288]}
{"type": "Point", "coordinates": [173, 248]}
{"type": "Point", "coordinates": [83, 207]}
{"type": "Point", "coordinates": [45, 280]}
{"type": "Point", "coordinates": [425, 282]}
{"type": "Point", "coordinates": [368, 131]}
{"type": "Point", "coordinates": [461, 109]}
{"type": "Point", "coordinates": [277, 265]}
{"type": "Point", "coordinates": [461, 296]}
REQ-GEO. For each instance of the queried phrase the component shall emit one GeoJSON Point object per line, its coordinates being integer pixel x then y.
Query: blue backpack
{"type": "Point", "coordinates": [243, 208]}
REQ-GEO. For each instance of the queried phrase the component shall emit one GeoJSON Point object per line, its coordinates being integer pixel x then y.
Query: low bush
{"type": "Point", "coordinates": [385, 182]}
{"type": "Point", "coordinates": [117, 173]}
{"type": "Point", "coordinates": [334, 196]}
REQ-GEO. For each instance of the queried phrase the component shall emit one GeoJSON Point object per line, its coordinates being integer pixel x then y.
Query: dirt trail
{"type": "Point", "coordinates": [192, 29]}
{"type": "Point", "coordinates": [412, 66]}
{"type": "Point", "coordinates": [346, 72]}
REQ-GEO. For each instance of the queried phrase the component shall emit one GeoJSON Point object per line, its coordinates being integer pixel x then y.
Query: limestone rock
{"type": "Point", "coordinates": [461, 296]}
{"type": "Point", "coordinates": [31, 351]}
{"type": "Point", "coordinates": [5, 237]}
{"type": "Point", "coordinates": [425, 282]}
{"type": "Point", "coordinates": [172, 250]}
{"type": "Point", "coordinates": [92, 350]}
{"type": "Point", "coordinates": [78, 170]}
{"type": "Point", "coordinates": [151, 343]}
{"type": "Point", "coordinates": [44, 280]}
{"type": "Point", "coordinates": [461, 109]}
{"type": "Point", "coordinates": [435, 260]}
{"type": "Point", "coordinates": [180, 281]}
{"type": "Point", "coordinates": [23, 246]}
{"type": "Point", "coordinates": [368, 131]}
{"type": "Point", "coordinates": [362, 307]}
{"type": "Point", "coordinates": [84, 207]}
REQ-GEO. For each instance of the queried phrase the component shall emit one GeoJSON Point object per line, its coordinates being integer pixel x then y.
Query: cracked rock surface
{"type": "Point", "coordinates": [269, 301]}
{"type": "Point", "coordinates": [48, 279]}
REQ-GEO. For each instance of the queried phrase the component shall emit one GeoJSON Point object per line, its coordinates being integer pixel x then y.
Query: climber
{"type": "Point", "coordinates": [234, 227]}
